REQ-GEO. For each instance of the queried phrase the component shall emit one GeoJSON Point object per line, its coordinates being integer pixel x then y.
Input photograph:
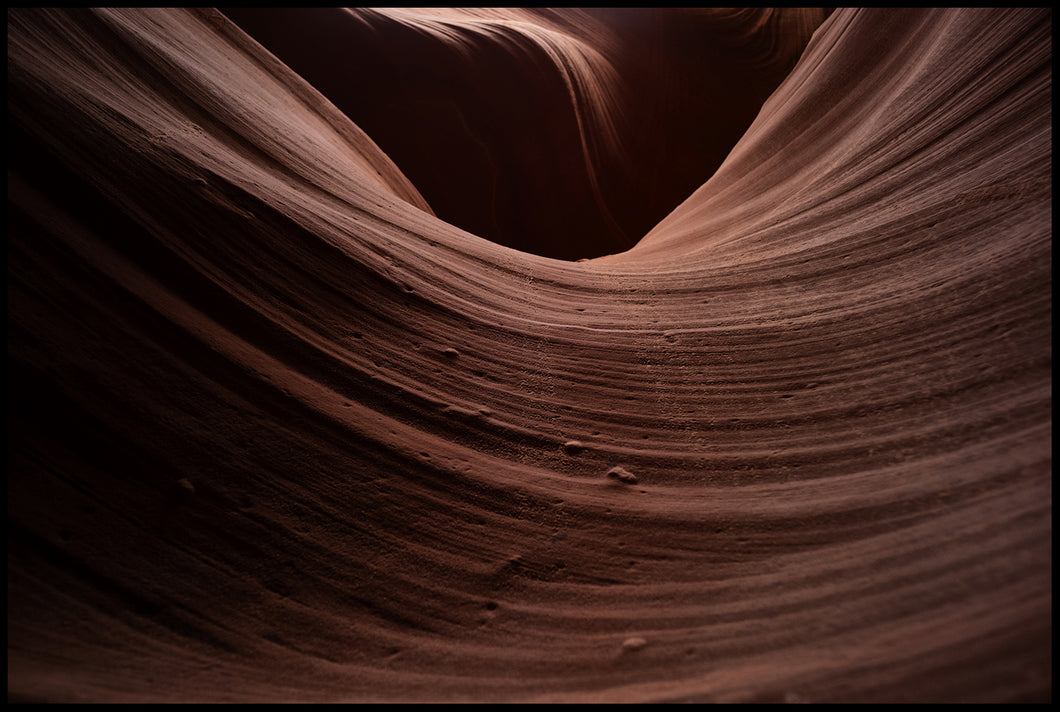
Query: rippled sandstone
{"type": "Point", "coordinates": [278, 432]}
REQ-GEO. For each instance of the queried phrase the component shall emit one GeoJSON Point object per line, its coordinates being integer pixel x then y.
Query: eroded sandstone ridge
{"type": "Point", "coordinates": [279, 433]}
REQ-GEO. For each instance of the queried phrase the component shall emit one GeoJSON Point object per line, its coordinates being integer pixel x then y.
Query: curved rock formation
{"type": "Point", "coordinates": [277, 432]}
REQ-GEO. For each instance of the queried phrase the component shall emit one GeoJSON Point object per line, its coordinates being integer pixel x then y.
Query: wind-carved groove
{"type": "Point", "coordinates": [279, 433]}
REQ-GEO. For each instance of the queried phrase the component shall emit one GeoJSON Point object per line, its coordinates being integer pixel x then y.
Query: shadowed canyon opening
{"type": "Point", "coordinates": [556, 155]}
{"type": "Point", "coordinates": [529, 355]}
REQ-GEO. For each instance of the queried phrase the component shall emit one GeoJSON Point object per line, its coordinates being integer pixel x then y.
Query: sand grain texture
{"type": "Point", "coordinates": [282, 429]}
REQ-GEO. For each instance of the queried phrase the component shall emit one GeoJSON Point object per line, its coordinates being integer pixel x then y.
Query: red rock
{"type": "Point", "coordinates": [852, 209]}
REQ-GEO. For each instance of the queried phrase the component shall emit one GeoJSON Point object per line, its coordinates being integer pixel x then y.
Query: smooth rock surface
{"type": "Point", "coordinates": [826, 358]}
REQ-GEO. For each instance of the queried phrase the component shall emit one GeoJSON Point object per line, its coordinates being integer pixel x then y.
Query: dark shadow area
{"type": "Point", "coordinates": [494, 145]}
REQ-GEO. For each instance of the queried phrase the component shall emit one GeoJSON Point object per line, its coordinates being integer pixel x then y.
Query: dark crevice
{"type": "Point", "coordinates": [495, 147]}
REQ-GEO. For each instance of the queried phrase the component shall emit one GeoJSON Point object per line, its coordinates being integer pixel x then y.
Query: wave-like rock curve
{"type": "Point", "coordinates": [279, 433]}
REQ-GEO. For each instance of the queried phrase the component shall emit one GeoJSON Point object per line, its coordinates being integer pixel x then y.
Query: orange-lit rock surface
{"type": "Point", "coordinates": [776, 428]}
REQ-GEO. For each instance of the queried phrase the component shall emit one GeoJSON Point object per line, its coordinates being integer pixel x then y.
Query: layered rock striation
{"type": "Point", "coordinates": [281, 431]}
